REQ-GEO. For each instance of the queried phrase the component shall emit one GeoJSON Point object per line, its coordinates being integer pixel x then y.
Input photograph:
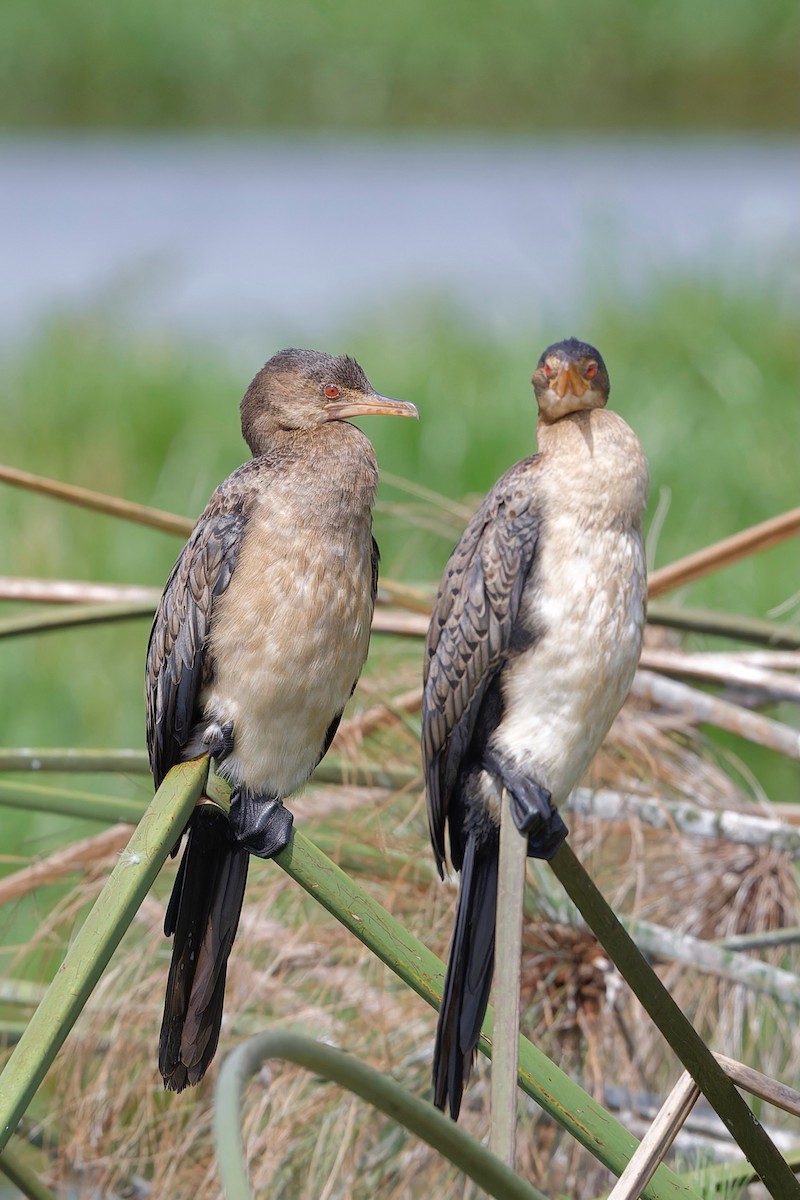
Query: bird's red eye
{"type": "Point", "coordinates": [591, 370]}
{"type": "Point", "coordinates": [331, 391]}
{"type": "Point", "coordinates": [548, 371]}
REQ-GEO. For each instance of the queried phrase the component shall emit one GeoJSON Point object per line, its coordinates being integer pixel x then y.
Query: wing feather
{"type": "Point", "coordinates": [470, 632]}
{"type": "Point", "coordinates": [177, 666]}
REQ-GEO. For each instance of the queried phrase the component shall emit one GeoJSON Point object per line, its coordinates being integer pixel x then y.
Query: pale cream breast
{"type": "Point", "coordinates": [290, 633]}
{"type": "Point", "coordinates": [586, 603]}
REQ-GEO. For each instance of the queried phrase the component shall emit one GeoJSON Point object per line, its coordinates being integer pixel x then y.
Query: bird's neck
{"type": "Point", "coordinates": [333, 466]}
{"type": "Point", "coordinates": [593, 462]}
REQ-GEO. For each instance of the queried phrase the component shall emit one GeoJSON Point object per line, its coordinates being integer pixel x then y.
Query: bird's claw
{"type": "Point", "coordinates": [530, 803]}
{"type": "Point", "coordinates": [532, 810]}
{"type": "Point", "coordinates": [218, 740]}
{"type": "Point", "coordinates": [545, 841]}
{"type": "Point", "coordinates": [260, 824]}
{"type": "Point", "coordinates": [536, 817]}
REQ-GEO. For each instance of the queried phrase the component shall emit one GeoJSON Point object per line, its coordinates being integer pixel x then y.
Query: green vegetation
{"type": "Point", "coordinates": [522, 65]}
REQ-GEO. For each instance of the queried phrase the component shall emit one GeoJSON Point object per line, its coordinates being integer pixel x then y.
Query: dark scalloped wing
{"type": "Point", "coordinates": [470, 630]}
{"type": "Point", "coordinates": [176, 666]}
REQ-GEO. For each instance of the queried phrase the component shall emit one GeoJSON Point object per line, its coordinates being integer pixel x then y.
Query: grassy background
{"type": "Point", "coordinates": [514, 65]}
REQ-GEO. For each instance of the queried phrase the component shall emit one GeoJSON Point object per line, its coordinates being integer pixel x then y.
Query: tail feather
{"type": "Point", "coordinates": [469, 975]}
{"type": "Point", "coordinates": [203, 914]}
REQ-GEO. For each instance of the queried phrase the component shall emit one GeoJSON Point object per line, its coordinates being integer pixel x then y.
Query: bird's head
{"type": "Point", "coordinates": [570, 377]}
{"type": "Point", "coordinates": [300, 389]}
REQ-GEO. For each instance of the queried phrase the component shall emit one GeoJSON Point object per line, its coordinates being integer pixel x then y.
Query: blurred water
{"type": "Point", "coordinates": [225, 238]}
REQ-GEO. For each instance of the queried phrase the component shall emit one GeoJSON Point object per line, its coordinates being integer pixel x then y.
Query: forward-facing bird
{"type": "Point", "coordinates": [257, 645]}
{"type": "Point", "coordinates": [531, 651]}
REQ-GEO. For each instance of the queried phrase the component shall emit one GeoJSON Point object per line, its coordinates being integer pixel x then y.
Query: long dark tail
{"type": "Point", "coordinates": [203, 914]}
{"type": "Point", "coordinates": [469, 974]}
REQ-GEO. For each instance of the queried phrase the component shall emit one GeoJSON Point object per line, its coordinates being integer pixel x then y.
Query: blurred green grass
{"type": "Point", "coordinates": [707, 377]}
{"type": "Point", "coordinates": [514, 65]}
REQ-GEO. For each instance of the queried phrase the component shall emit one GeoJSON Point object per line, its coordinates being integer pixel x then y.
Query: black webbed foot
{"type": "Point", "coordinates": [530, 803]}
{"type": "Point", "coordinates": [544, 842]}
{"type": "Point", "coordinates": [260, 824]}
{"type": "Point", "coordinates": [532, 809]}
{"type": "Point", "coordinates": [218, 740]}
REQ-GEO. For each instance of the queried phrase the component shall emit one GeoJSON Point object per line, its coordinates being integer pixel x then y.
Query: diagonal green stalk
{"type": "Point", "coordinates": [675, 1028]}
{"type": "Point", "coordinates": [98, 938]}
{"type": "Point", "coordinates": [23, 1177]}
{"type": "Point", "coordinates": [417, 1115]}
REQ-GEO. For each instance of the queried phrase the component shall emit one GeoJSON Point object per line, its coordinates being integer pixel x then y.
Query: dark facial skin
{"type": "Point", "coordinates": [570, 376]}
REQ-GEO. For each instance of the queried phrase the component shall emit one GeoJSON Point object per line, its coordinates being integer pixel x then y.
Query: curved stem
{"type": "Point", "coordinates": [416, 1115]}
